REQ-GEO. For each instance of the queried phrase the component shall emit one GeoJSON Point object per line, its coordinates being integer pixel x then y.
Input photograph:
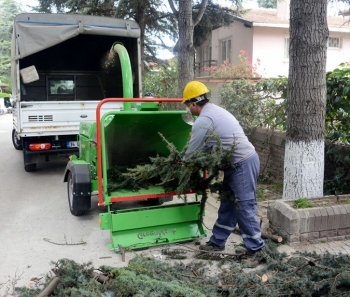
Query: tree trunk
{"type": "Point", "coordinates": [186, 48]}
{"type": "Point", "coordinates": [304, 153]}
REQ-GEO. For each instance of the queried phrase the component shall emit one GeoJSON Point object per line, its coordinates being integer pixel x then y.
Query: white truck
{"type": "Point", "coordinates": [61, 68]}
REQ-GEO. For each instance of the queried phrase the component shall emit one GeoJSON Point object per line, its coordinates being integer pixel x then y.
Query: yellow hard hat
{"type": "Point", "coordinates": [194, 89]}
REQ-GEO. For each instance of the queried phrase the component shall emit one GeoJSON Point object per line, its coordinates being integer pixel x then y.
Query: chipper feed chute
{"type": "Point", "coordinates": [129, 139]}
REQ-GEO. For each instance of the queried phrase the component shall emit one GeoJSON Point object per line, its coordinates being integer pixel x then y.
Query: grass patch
{"type": "Point", "coordinates": [302, 203]}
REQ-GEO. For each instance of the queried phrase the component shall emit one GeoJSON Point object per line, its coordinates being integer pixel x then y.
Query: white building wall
{"type": "Point", "coordinates": [214, 91]}
{"type": "Point", "coordinates": [268, 47]}
{"type": "Point", "coordinates": [337, 56]}
{"type": "Point", "coordinates": [241, 39]}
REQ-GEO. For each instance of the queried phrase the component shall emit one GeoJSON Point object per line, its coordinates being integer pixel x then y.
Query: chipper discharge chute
{"type": "Point", "coordinates": [129, 138]}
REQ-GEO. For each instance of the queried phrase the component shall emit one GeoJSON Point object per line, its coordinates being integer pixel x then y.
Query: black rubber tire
{"type": "Point", "coordinates": [76, 213]}
{"type": "Point", "coordinates": [30, 167]}
{"type": "Point", "coordinates": [16, 143]}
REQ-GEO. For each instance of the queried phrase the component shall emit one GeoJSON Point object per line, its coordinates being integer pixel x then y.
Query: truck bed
{"type": "Point", "coordinates": [59, 118]}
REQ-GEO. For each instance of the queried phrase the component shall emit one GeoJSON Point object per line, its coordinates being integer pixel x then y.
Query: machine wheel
{"type": "Point", "coordinates": [155, 201]}
{"type": "Point", "coordinates": [2, 111]}
{"type": "Point", "coordinates": [71, 196]}
{"type": "Point", "coordinates": [17, 143]}
{"type": "Point", "coordinates": [30, 167]}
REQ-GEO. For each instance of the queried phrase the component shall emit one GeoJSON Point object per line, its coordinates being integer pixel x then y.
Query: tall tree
{"type": "Point", "coordinates": [151, 19]}
{"type": "Point", "coordinates": [186, 48]}
{"type": "Point", "coordinates": [304, 154]}
{"type": "Point", "coordinates": [9, 9]}
{"type": "Point", "coordinates": [267, 3]}
{"type": "Point", "coordinates": [147, 13]}
{"type": "Point", "coordinates": [187, 20]}
{"type": "Point", "coordinates": [154, 17]}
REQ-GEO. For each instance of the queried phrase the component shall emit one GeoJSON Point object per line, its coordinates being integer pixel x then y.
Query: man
{"type": "Point", "coordinates": [239, 180]}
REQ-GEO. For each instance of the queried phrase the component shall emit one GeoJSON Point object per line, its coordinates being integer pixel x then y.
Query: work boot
{"type": "Point", "coordinates": [211, 247]}
{"type": "Point", "coordinates": [241, 250]}
{"type": "Point", "coordinates": [252, 259]}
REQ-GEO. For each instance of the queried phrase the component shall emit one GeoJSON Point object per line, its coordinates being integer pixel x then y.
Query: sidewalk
{"type": "Point", "coordinates": [334, 247]}
{"type": "Point", "coordinates": [234, 240]}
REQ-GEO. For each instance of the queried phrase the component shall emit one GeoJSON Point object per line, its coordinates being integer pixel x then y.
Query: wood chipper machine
{"type": "Point", "coordinates": [126, 137]}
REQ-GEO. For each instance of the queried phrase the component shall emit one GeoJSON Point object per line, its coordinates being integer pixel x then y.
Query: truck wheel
{"type": "Point", "coordinates": [71, 196]}
{"type": "Point", "coordinates": [17, 143]}
{"type": "Point", "coordinates": [30, 167]}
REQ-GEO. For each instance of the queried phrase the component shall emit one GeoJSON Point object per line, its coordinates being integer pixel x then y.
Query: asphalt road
{"type": "Point", "coordinates": [37, 228]}
{"type": "Point", "coordinates": [34, 207]}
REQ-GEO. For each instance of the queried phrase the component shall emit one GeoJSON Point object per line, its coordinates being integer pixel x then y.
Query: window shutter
{"type": "Point", "coordinates": [223, 51]}
{"type": "Point", "coordinates": [228, 53]}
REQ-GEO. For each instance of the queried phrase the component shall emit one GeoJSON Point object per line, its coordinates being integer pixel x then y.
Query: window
{"type": "Point", "coordinates": [334, 42]}
{"type": "Point", "coordinates": [203, 58]}
{"type": "Point", "coordinates": [209, 52]}
{"type": "Point", "coordinates": [286, 48]}
{"type": "Point", "coordinates": [226, 50]}
{"type": "Point", "coordinates": [61, 86]}
{"type": "Point", "coordinates": [206, 54]}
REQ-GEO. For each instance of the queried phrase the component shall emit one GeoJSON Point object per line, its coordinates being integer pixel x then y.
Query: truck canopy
{"type": "Point", "coordinates": [52, 29]}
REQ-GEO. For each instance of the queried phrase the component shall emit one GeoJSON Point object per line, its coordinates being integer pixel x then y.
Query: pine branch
{"type": "Point", "coordinates": [176, 174]}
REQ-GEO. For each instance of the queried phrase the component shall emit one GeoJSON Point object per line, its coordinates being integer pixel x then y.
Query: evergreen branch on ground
{"type": "Point", "coordinates": [300, 274]}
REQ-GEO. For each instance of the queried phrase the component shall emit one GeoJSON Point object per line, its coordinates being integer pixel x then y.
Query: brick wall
{"type": "Point", "coordinates": [270, 147]}
{"type": "Point", "coordinates": [328, 220]}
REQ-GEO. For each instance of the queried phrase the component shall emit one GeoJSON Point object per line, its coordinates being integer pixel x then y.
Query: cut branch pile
{"type": "Point", "coordinates": [302, 274]}
{"type": "Point", "coordinates": [173, 172]}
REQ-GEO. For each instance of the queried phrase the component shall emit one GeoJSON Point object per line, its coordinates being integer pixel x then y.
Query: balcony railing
{"type": "Point", "coordinates": [200, 66]}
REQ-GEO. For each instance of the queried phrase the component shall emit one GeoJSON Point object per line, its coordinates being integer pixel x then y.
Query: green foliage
{"type": "Point", "coordinates": [257, 103]}
{"type": "Point", "coordinates": [302, 203]}
{"type": "Point", "coordinates": [300, 274]}
{"type": "Point", "coordinates": [338, 104]}
{"type": "Point", "coordinates": [337, 180]}
{"type": "Point", "coordinates": [262, 103]}
{"type": "Point", "coordinates": [5, 95]}
{"type": "Point", "coordinates": [154, 17]}
{"type": "Point", "coordinates": [9, 9]}
{"type": "Point", "coordinates": [267, 3]}
{"type": "Point", "coordinates": [214, 17]}
{"type": "Point", "coordinates": [118, 180]}
{"type": "Point", "coordinates": [161, 81]}
{"type": "Point", "coordinates": [278, 185]}
{"type": "Point", "coordinates": [177, 174]}
{"type": "Point", "coordinates": [244, 69]}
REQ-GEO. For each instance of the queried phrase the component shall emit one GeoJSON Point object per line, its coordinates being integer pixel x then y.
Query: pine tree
{"type": "Point", "coordinates": [267, 3]}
